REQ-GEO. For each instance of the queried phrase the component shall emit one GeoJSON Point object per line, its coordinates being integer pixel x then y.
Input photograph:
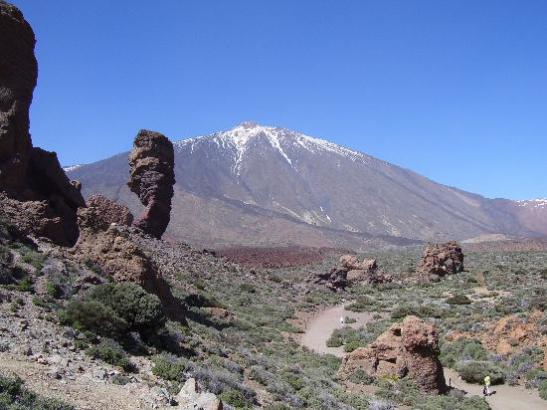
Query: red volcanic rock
{"type": "Point", "coordinates": [107, 240]}
{"type": "Point", "coordinates": [105, 212]}
{"type": "Point", "coordinates": [152, 176]}
{"type": "Point", "coordinates": [441, 259]}
{"type": "Point", "coordinates": [18, 76]}
{"type": "Point", "coordinates": [408, 349]}
{"type": "Point", "coordinates": [37, 197]}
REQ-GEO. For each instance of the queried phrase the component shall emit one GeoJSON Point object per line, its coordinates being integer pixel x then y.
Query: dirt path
{"type": "Point", "coordinates": [505, 398]}
{"type": "Point", "coordinates": [83, 393]}
{"type": "Point", "coordinates": [321, 326]}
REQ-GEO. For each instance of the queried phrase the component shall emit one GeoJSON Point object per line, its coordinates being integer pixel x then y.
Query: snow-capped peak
{"type": "Point", "coordinates": [240, 137]}
{"type": "Point", "coordinates": [533, 203]}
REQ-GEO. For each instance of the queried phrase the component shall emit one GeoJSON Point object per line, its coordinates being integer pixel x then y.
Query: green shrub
{"type": "Point", "coordinates": [458, 299]}
{"type": "Point", "coordinates": [111, 352]}
{"type": "Point", "coordinates": [93, 316]}
{"type": "Point", "coordinates": [453, 403]}
{"type": "Point", "coordinates": [476, 371]}
{"type": "Point", "coordinates": [25, 285]}
{"type": "Point", "coordinates": [34, 259]}
{"type": "Point", "coordinates": [462, 350]}
{"type": "Point", "coordinates": [335, 340]}
{"type": "Point", "coordinates": [13, 396]}
{"type": "Point", "coordinates": [112, 310]}
{"type": "Point", "coordinates": [361, 377]}
{"type": "Point", "coordinates": [543, 390]}
{"type": "Point", "coordinates": [361, 304]}
{"type": "Point", "coordinates": [404, 391]}
{"type": "Point", "coordinates": [234, 398]}
{"type": "Point", "coordinates": [351, 345]}
{"type": "Point", "coordinates": [54, 290]}
{"type": "Point", "coordinates": [169, 367]}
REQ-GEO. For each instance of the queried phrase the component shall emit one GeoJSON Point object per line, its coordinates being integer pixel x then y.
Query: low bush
{"type": "Point", "coordinates": [453, 403]}
{"type": "Point", "coordinates": [462, 350]}
{"type": "Point", "coordinates": [403, 392]}
{"type": "Point", "coordinates": [361, 377]}
{"type": "Point", "coordinates": [113, 310]}
{"type": "Point", "coordinates": [169, 367]}
{"type": "Point", "coordinates": [111, 352]}
{"type": "Point", "coordinates": [476, 371]}
{"type": "Point", "coordinates": [363, 303]}
{"type": "Point", "coordinates": [543, 390]}
{"type": "Point", "coordinates": [234, 398]}
{"type": "Point", "coordinates": [458, 299]}
{"type": "Point", "coordinates": [13, 396]}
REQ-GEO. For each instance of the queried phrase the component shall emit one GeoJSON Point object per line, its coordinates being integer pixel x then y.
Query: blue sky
{"type": "Point", "coordinates": [454, 90]}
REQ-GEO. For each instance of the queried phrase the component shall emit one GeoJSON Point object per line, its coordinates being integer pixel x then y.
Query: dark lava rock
{"type": "Point", "coordinates": [35, 194]}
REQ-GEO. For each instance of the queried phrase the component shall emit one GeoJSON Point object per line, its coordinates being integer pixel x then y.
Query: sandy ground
{"type": "Point", "coordinates": [505, 397]}
{"type": "Point", "coordinates": [83, 393]}
{"type": "Point", "coordinates": [320, 327]}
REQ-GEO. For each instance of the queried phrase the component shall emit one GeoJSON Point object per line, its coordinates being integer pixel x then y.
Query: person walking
{"type": "Point", "coordinates": [342, 321]}
{"type": "Point", "coordinates": [486, 390]}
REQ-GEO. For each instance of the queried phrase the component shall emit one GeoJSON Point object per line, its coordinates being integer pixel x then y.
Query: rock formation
{"type": "Point", "coordinates": [407, 349]}
{"type": "Point", "coordinates": [106, 212]}
{"type": "Point", "coordinates": [190, 397]}
{"type": "Point", "coordinates": [350, 271]}
{"type": "Point", "coordinates": [335, 279]}
{"type": "Point", "coordinates": [109, 242]}
{"type": "Point", "coordinates": [439, 260]}
{"type": "Point", "coordinates": [37, 197]}
{"type": "Point", "coordinates": [152, 176]}
{"type": "Point", "coordinates": [104, 242]}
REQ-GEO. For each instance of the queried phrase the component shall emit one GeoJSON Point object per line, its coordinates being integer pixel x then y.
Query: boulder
{"type": "Point", "coordinates": [190, 398]}
{"type": "Point", "coordinates": [152, 176]}
{"type": "Point", "coordinates": [37, 197]}
{"type": "Point", "coordinates": [408, 349]}
{"type": "Point", "coordinates": [439, 260]}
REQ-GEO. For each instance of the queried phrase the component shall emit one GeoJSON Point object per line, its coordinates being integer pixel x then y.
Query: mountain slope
{"type": "Point", "coordinates": [264, 185]}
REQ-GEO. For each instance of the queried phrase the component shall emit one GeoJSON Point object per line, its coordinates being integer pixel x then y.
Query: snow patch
{"type": "Point", "coordinates": [71, 168]}
{"type": "Point", "coordinates": [239, 138]}
{"type": "Point", "coordinates": [539, 203]}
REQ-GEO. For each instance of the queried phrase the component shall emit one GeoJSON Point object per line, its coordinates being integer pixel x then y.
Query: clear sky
{"type": "Point", "coordinates": [454, 90]}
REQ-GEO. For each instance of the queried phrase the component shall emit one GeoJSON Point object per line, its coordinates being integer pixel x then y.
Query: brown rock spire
{"type": "Point", "coordinates": [152, 176]}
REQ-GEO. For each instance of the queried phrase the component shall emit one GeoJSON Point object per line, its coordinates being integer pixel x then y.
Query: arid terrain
{"type": "Point", "coordinates": [103, 306]}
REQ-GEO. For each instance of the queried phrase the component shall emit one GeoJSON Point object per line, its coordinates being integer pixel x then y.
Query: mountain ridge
{"type": "Point", "coordinates": [281, 184]}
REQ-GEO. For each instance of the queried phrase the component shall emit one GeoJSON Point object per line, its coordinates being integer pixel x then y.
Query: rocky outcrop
{"type": "Point", "coordinates": [335, 279]}
{"type": "Point", "coordinates": [190, 397]}
{"type": "Point", "coordinates": [351, 270]}
{"type": "Point", "coordinates": [408, 349]}
{"type": "Point", "coordinates": [439, 260]}
{"type": "Point", "coordinates": [105, 212]}
{"type": "Point", "coordinates": [37, 197]}
{"type": "Point", "coordinates": [152, 176]}
{"type": "Point", "coordinates": [109, 246]}
{"type": "Point", "coordinates": [109, 242]}
{"type": "Point", "coordinates": [18, 76]}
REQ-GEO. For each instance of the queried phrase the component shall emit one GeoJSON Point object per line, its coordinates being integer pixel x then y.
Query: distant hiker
{"type": "Point", "coordinates": [486, 390]}
{"type": "Point", "coordinates": [342, 320]}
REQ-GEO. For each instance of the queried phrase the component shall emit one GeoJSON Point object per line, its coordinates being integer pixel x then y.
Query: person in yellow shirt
{"type": "Point", "coordinates": [486, 389]}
